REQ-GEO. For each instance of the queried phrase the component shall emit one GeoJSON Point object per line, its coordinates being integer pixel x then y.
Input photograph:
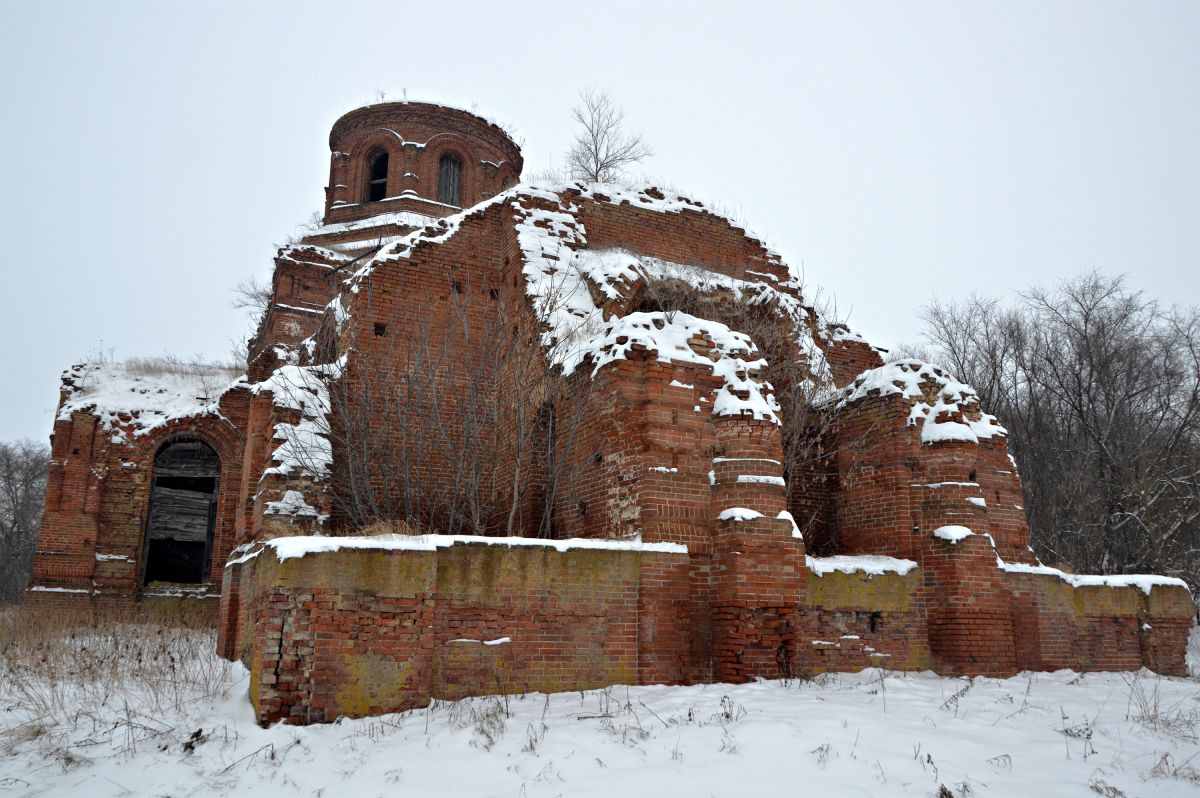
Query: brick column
{"type": "Point", "coordinates": [758, 575]}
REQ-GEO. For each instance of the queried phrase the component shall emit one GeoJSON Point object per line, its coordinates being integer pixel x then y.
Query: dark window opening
{"type": "Point", "coordinates": [380, 328]}
{"type": "Point", "coordinates": [457, 287]}
{"type": "Point", "coordinates": [450, 179]}
{"type": "Point", "coordinates": [377, 182]}
{"type": "Point", "coordinates": [182, 514]}
{"type": "Point", "coordinates": [493, 293]}
{"type": "Point", "coordinates": [971, 476]}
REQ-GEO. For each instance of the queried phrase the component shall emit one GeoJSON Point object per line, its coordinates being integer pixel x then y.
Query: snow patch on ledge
{"type": "Point", "coordinates": [287, 548]}
{"type": "Point", "coordinates": [1143, 582]}
{"type": "Point", "coordinates": [870, 564]}
{"type": "Point", "coordinates": [953, 533]}
{"type": "Point", "coordinates": [292, 504]}
{"type": "Point", "coordinates": [760, 479]}
{"type": "Point", "coordinates": [739, 514]}
{"type": "Point", "coordinates": [388, 218]}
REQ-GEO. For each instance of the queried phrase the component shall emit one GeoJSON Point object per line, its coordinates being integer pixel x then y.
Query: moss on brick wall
{"type": "Point", "coordinates": [357, 632]}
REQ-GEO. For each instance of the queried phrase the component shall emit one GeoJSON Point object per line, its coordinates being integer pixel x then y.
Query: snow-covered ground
{"type": "Point", "coordinates": [154, 712]}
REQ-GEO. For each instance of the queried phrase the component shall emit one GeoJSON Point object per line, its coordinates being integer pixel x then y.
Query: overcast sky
{"type": "Point", "coordinates": [898, 152]}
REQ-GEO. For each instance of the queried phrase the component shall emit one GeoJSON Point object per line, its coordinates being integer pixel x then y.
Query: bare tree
{"type": "Point", "coordinates": [1099, 387]}
{"type": "Point", "coordinates": [23, 467]}
{"type": "Point", "coordinates": [603, 149]}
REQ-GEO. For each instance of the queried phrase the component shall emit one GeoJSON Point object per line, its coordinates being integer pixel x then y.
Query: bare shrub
{"type": "Point", "coordinates": [1147, 706]}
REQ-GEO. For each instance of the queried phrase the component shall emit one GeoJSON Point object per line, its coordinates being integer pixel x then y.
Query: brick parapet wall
{"type": "Point", "coordinates": [1099, 628]}
{"type": "Point", "coordinates": [691, 236]}
{"type": "Point", "coordinates": [363, 632]}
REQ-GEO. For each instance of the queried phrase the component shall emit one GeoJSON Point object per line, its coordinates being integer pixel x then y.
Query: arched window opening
{"type": "Point", "coordinates": [450, 179]}
{"type": "Point", "coordinates": [377, 182]}
{"type": "Point", "coordinates": [183, 510]}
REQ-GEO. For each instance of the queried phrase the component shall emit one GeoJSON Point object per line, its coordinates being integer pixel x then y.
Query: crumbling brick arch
{"type": "Point", "coordinates": [181, 517]}
{"type": "Point", "coordinates": [225, 443]}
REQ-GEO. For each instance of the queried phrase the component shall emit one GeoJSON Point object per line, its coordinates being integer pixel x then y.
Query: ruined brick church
{"type": "Point", "coordinates": [499, 437]}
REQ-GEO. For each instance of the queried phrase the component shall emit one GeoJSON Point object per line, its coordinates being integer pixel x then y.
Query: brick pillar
{"type": "Point", "coordinates": [758, 574]}
{"type": "Point", "coordinates": [66, 547]}
{"type": "Point", "coordinates": [970, 607]}
{"type": "Point", "coordinates": [970, 602]}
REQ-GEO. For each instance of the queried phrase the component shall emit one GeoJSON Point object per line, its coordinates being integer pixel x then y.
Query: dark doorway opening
{"type": "Point", "coordinates": [183, 511]}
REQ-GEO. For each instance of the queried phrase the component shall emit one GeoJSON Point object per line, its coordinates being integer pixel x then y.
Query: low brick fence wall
{"type": "Point", "coordinates": [862, 619]}
{"type": "Point", "coordinates": [363, 626]}
{"type": "Point", "coordinates": [361, 631]}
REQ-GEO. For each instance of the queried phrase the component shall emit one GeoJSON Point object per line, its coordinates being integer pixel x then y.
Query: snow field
{"type": "Point", "coordinates": [124, 710]}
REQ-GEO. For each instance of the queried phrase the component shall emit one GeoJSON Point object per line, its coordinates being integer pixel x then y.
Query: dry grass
{"type": "Point", "coordinates": [393, 527]}
{"type": "Point", "coordinates": [102, 677]}
{"type": "Point", "coordinates": [174, 365]}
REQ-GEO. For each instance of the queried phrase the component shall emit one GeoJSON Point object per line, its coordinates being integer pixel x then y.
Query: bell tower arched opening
{"type": "Point", "coordinates": [183, 509]}
{"type": "Point", "coordinates": [377, 177]}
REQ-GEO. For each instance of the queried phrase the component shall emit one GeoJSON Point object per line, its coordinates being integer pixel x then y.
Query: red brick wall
{"type": "Point", "coordinates": [362, 632]}
{"type": "Point", "coordinates": [857, 620]}
{"type": "Point", "coordinates": [1098, 628]}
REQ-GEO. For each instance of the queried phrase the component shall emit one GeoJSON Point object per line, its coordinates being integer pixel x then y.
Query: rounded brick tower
{"type": "Point", "coordinates": [394, 168]}
{"type": "Point", "coordinates": [407, 163]}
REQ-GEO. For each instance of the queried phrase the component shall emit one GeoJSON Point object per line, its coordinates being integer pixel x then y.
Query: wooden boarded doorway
{"type": "Point", "coordinates": [183, 509]}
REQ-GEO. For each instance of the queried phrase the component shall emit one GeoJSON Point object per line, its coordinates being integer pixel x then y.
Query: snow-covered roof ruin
{"type": "Point", "coordinates": [140, 395]}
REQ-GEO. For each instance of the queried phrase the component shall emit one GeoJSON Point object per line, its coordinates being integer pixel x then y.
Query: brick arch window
{"type": "Point", "coordinates": [450, 179]}
{"type": "Point", "coordinates": [182, 512]}
{"type": "Point", "coordinates": [377, 173]}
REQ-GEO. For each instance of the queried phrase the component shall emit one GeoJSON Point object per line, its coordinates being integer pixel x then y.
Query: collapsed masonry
{"type": "Point", "coordinates": [622, 408]}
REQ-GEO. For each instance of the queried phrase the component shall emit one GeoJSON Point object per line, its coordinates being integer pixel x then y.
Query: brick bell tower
{"type": "Point", "coordinates": [393, 168]}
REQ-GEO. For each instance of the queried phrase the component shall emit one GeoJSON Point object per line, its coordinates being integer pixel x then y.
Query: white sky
{"type": "Point", "coordinates": [896, 151]}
